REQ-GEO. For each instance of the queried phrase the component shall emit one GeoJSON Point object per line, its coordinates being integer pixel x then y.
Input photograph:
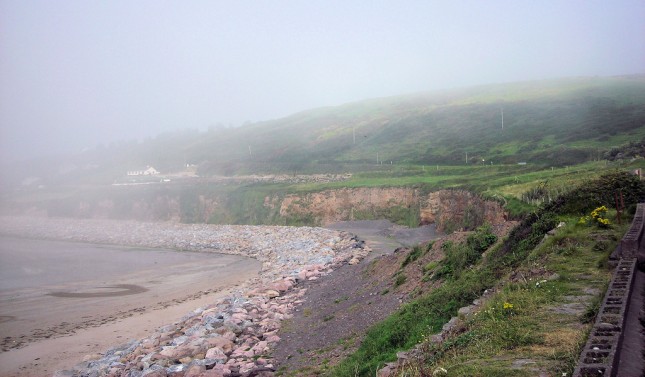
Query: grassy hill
{"type": "Point", "coordinates": [545, 123]}
{"type": "Point", "coordinates": [550, 123]}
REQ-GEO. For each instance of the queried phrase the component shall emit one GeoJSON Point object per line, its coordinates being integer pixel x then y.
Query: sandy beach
{"type": "Point", "coordinates": [60, 301]}
{"type": "Point", "coordinates": [182, 298]}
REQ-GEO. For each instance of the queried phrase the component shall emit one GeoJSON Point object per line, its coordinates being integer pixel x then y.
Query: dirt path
{"type": "Point", "coordinates": [339, 308]}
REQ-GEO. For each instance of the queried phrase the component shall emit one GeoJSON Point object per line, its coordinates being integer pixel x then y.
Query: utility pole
{"type": "Point", "coordinates": [502, 110]}
{"type": "Point", "coordinates": [354, 134]}
{"type": "Point", "coordinates": [466, 158]}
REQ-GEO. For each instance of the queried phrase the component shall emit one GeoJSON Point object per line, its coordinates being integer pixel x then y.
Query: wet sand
{"type": "Point", "coordinates": [60, 301]}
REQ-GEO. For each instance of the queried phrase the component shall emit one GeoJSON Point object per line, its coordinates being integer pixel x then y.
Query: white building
{"type": "Point", "coordinates": [149, 170]}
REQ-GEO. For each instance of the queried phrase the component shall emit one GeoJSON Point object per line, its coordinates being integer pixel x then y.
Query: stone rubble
{"type": "Point", "coordinates": [231, 337]}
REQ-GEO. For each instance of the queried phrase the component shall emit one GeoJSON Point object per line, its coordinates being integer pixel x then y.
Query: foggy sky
{"type": "Point", "coordinates": [76, 73]}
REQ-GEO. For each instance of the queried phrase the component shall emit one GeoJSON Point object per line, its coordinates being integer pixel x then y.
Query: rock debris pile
{"type": "Point", "coordinates": [231, 337]}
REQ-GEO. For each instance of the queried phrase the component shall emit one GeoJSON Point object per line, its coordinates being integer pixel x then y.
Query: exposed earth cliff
{"type": "Point", "coordinates": [448, 209]}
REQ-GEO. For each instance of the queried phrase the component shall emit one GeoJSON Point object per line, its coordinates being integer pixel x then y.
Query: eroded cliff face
{"type": "Point", "coordinates": [456, 209]}
{"type": "Point", "coordinates": [330, 206]}
{"type": "Point", "coordinates": [448, 209]}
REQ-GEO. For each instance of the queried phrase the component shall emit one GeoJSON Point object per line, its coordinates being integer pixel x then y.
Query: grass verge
{"type": "Point", "coordinates": [414, 322]}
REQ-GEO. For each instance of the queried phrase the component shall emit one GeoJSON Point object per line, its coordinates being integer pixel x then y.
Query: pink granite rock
{"type": "Point", "coordinates": [222, 343]}
{"type": "Point", "coordinates": [157, 373]}
{"type": "Point", "coordinates": [216, 353]}
{"type": "Point", "coordinates": [195, 371]}
{"type": "Point", "coordinates": [272, 339]}
{"type": "Point", "coordinates": [270, 293]}
{"type": "Point", "coordinates": [213, 373]}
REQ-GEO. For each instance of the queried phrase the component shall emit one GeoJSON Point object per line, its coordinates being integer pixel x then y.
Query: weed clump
{"type": "Point", "coordinates": [412, 256]}
{"type": "Point", "coordinates": [458, 257]}
{"type": "Point", "coordinates": [400, 279]}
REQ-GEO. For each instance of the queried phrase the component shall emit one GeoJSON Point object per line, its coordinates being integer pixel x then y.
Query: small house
{"type": "Point", "coordinates": [149, 170]}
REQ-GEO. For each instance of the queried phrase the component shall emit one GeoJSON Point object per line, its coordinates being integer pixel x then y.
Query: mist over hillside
{"type": "Point", "coordinates": [547, 123]}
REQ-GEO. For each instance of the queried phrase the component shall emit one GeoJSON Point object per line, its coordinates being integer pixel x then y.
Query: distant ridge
{"type": "Point", "coordinates": [549, 122]}
{"type": "Point", "coordinates": [545, 122]}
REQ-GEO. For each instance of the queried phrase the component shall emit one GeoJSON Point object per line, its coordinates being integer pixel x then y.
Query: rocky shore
{"type": "Point", "coordinates": [231, 337]}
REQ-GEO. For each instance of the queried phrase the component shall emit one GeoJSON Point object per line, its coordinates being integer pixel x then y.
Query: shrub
{"type": "Point", "coordinates": [412, 256]}
{"type": "Point", "coordinates": [596, 217]}
{"type": "Point", "coordinates": [597, 193]}
{"type": "Point", "coordinates": [481, 239]}
{"type": "Point", "coordinates": [430, 266]}
{"type": "Point", "coordinates": [458, 257]}
{"type": "Point", "coordinates": [400, 279]}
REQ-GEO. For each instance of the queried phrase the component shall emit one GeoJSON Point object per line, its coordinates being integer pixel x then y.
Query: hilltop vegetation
{"type": "Point", "coordinates": [561, 128]}
{"type": "Point", "coordinates": [546, 123]}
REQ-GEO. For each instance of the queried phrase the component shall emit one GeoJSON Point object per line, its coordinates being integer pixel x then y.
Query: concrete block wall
{"type": "Point", "coordinates": [631, 241]}
{"type": "Point", "coordinates": [600, 355]}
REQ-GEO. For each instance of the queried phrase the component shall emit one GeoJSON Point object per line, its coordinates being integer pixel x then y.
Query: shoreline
{"type": "Point", "coordinates": [247, 316]}
{"type": "Point", "coordinates": [51, 289]}
{"type": "Point", "coordinates": [46, 356]}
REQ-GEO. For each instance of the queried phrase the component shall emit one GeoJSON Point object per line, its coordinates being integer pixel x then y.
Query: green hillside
{"type": "Point", "coordinates": [545, 123]}
{"type": "Point", "coordinates": [549, 123]}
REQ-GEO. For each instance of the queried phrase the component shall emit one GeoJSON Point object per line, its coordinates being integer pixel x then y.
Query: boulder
{"type": "Point", "coordinates": [214, 373]}
{"type": "Point", "coordinates": [450, 325]}
{"type": "Point", "coordinates": [216, 353]}
{"type": "Point", "coordinates": [282, 285]}
{"type": "Point", "coordinates": [155, 371]}
{"type": "Point", "coordinates": [226, 333]}
{"type": "Point", "coordinates": [387, 371]}
{"type": "Point", "coordinates": [195, 371]}
{"type": "Point", "coordinates": [270, 293]}
{"type": "Point", "coordinates": [224, 344]}
{"type": "Point", "coordinates": [465, 311]}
